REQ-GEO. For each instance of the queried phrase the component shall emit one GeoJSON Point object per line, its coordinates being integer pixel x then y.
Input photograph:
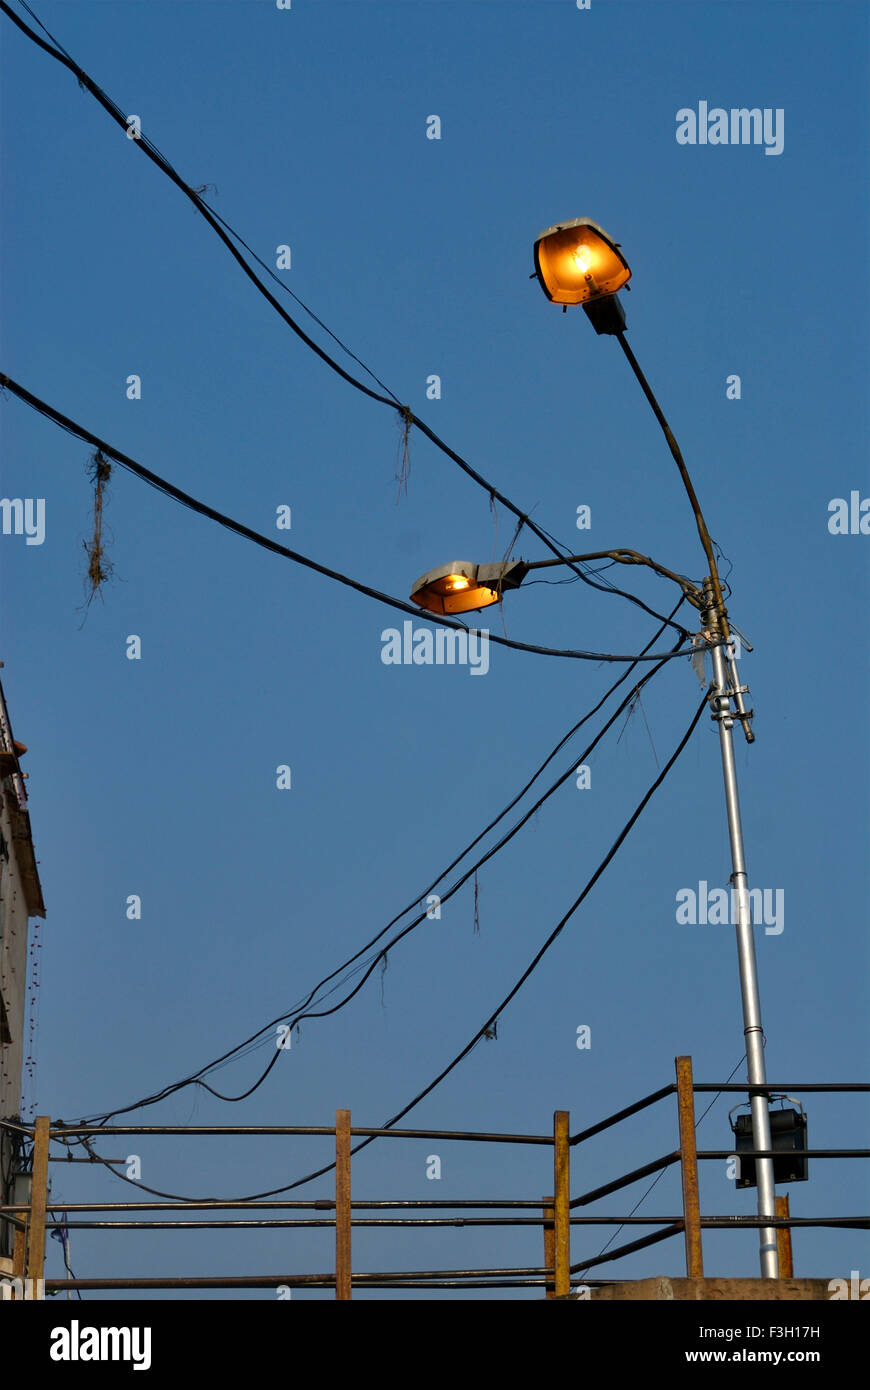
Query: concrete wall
{"type": "Point", "coordinates": [664, 1289]}
{"type": "Point", "coordinates": [13, 967]}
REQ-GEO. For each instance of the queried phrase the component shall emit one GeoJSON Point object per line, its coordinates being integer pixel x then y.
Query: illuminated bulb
{"type": "Point", "coordinates": [457, 581]}
{"type": "Point", "coordinates": [582, 259]}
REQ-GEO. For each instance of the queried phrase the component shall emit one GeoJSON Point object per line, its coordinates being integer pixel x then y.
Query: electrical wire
{"type": "Point", "coordinates": [481, 1032]}
{"type": "Point", "coordinates": [213, 218]}
{"type": "Point", "coordinates": [202, 509]}
{"type": "Point", "coordinates": [607, 586]}
{"type": "Point", "coordinates": [60, 1233]}
{"type": "Point", "coordinates": [217, 223]}
{"type": "Point", "coordinates": [721, 556]}
{"type": "Point", "coordinates": [659, 1175]}
{"type": "Point", "coordinates": [35, 17]}
{"type": "Point", "coordinates": [435, 882]}
{"type": "Point", "coordinates": [293, 1020]}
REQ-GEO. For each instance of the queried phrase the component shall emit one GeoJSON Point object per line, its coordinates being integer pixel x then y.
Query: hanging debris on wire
{"type": "Point", "coordinates": [494, 509]}
{"type": "Point", "coordinates": [476, 907]}
{"type": "Point", "coordinates": [403, 457]}
{"type": "Point", "coordinates": [99, 568]}
{"type": "Point", "coordinates": [699, 648]}
{"type": "Point", "coordinates": [637, 703]}
{"type": "Point", "coordinates": [385, 960]}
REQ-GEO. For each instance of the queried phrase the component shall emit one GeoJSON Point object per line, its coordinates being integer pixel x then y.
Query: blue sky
{"type": "Point", "coordinates": [157, 777]}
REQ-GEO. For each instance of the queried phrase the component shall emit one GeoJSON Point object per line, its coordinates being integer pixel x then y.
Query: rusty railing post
{"type": "Point", "coordinates": [342, 1205]}
{"type": "Point", "coordinates": [783, 1240]}
{"type": "Point", "coordinates": [689, 1169]}
{"type": "Point", "coordinates": [561, 1205]}
{"type": "Point", "coordinates": [549, 1244]}
{"type": "Point", "coordinates": [38, 1203]}
{"type": "Point", "coordinates": [19, 1253]}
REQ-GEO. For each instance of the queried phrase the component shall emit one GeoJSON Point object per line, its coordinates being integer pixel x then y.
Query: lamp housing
{"type": "Point", "coordinates": [463, 587]}
{"type": "Point", "coordinates": [577, 262]}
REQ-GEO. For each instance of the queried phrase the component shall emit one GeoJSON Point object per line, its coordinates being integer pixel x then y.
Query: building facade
{"type": "Point", "coordinates": [20, 900]}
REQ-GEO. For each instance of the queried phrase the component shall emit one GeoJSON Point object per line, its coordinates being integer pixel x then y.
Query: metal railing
{"type": "Point", "coordinates": [554, 1214]}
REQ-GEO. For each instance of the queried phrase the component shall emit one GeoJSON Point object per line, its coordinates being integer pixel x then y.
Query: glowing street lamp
{"type": "Point", "coordinates": [463, 587]}
{"type": "Point", "coordinates": [578, 263]}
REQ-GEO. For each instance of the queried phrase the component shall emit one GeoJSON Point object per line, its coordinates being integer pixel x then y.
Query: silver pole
{"type": "Point", "coordinates": [720, 700]}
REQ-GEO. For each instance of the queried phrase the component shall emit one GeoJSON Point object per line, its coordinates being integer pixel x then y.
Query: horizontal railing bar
{"type": "Point", "coordinates": [783, 1153]}
{"type": "Point", "coordinates": [627, 1180]}
{"type": "Point", "coordinates": [858, 1223]}
{"type": "Point", "coordinates": [325, 1204]}
{"type": "Point", "coordinates": [713, 1222]}
{"type": "Point", "coordinates": [782, 1086]}
{"type": "Point", "coordinates": [484, 1137]}
{"type": "Point", "coordinates": [59, 1285]}
{"type": "Point", "coordinates": [68, 1158]}
{"type": "Point", "coordinates": [291, 1223]}
{"type": "Point", "coordinates": [270, 1281]}
{"type": "Point", "coordinates": [303, 1131]}
{"type": "Point", "coordinates": [630, 1249]}
{"type": "Point", "coordinates": [584, 1134]}
{"type": "Point", "coordinates": [457, 1284]}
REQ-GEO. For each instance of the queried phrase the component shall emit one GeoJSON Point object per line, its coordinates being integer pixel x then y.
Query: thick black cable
{"type": "Point", "coordinates": [103, 1117]}
{"type": "Point", "coordinates": [557, 930]}
{"type": "Point", "coordinates": [154, 154]}
{"type": "Point", "coordinates": [294, 1018]}
{"type": "Point", "coordinates": [460, 1056]}
{"type": "Point", "coordinates": [408, 416]}
{"type": "Point", "coordinates": [282, 284]}
{"type": "Point", "coordinates": [501, 815]}
{"type": "Point", "coordinates": [233, 233]}
{"type": "Point", "coordinates": [607, 586]}
{"type": "Point", "coordinates": [202, 509]}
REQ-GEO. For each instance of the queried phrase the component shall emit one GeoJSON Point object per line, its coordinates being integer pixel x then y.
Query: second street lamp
{"type": "Point", "coordinates": [463, 587]}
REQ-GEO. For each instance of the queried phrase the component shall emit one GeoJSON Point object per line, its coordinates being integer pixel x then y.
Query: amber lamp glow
{"type": "Point", "coordinates": [577, 262]}
{"type": "Point", "coordinates": [463, 587]}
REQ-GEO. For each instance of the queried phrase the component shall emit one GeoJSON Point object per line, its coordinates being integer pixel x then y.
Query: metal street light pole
{"type": "Point", "coordinates": [720, 700]}
{"type": "Point", "coordinates": [721, 695]}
